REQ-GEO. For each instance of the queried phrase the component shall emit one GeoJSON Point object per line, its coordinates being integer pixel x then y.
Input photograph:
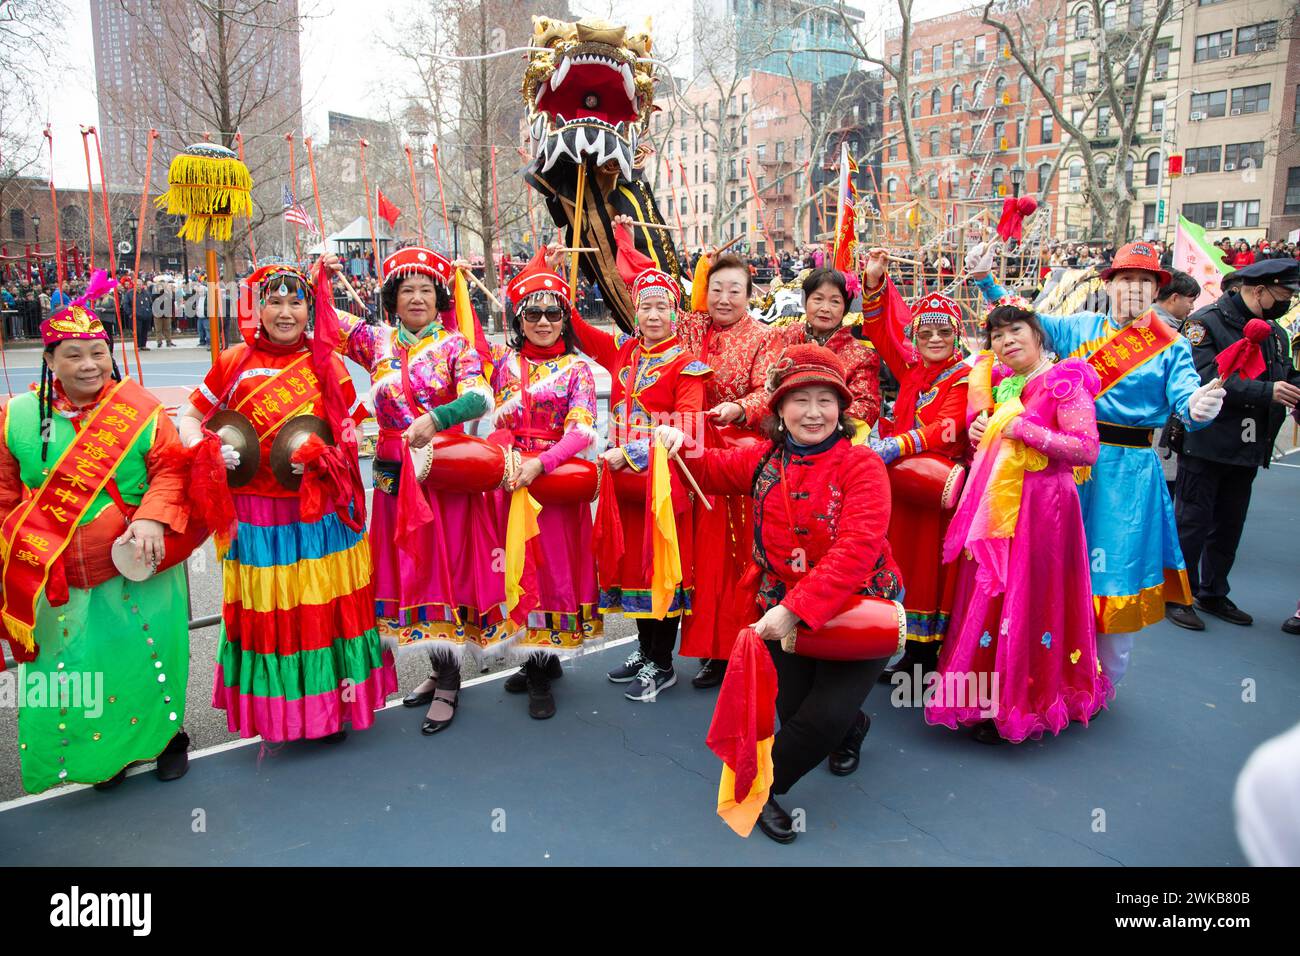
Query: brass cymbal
{"type": "Point", "coordinates": [237, 431]}
{"type": "Point", "coordinates": [291, 436]}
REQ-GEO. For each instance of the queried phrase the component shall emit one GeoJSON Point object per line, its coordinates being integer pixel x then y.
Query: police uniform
{"type": "Point", "coordinates": [1218, 464]}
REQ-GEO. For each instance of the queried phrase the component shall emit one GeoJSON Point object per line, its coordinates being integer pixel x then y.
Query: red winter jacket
{"type": "Point", "coordinates": [838, 500]}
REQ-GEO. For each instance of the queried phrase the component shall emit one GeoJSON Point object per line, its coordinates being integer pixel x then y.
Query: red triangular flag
{"type": "Point", "coordinates": [387, 211]}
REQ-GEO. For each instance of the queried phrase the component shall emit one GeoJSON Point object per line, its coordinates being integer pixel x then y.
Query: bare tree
{"type": "Point", "coordinates": [1124, 64]}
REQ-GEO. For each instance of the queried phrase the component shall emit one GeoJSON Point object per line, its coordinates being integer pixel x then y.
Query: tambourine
{"type": "Point", "coordinates": [868, 628]}
{"type": "Point", "coordinates": [927, 480]}
{"type": "Point", "coordinates": [176, 548]}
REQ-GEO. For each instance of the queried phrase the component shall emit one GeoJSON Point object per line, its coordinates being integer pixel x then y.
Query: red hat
{"type": "Point", "coordinates": [420, 260]}
{"type": "Point", "coordinates": [1137, 255]}
{"type": "Point", "coordinates": [77, 322]}
{"type": "Point", "coordinates": [800, 366]}
{"type": "Point", "coordinates": [536, 278]}
{"type": "Point", "coordinates": [936, 309]}
{"type": "Point", "coordinates": [654, 282]}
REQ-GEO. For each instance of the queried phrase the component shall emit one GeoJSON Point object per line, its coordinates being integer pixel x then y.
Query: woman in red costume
{"type": "Point", "coordinates": [929, 419]}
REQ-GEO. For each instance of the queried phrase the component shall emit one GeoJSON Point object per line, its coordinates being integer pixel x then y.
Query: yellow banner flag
{"type": "Point", "coordinates": [467, 323]}
{"type": "Point", "coordinates": [667, 573]}
{"type": "Point", "coordinates": [521, 526]}
{"type": "Point", "coordinates": [700, 285]}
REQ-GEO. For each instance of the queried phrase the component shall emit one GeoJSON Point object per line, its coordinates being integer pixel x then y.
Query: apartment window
{"type": "Point", "coordinates": [1048, 128]}
{"type": "Point", "coordinates": [683, 205]}
{"type": "Point", "coordinates": [1148, 220]}
{"type": "Point", "coordinates": [999, 89]}
{"type": "Point", "coordinates": [894, 60]}
{"type": "Point", "coordinates": [780, 151]}
{"type": "Point", "coordinates": [1078, 75]}
{"type": "Point", "coordinates": [1242, 214]}
{"type": "Point", "coordinates": [893, 107]}
{"type": "Point", "coordinates": [996, 180]}
{"type": "Point", "coordinates": [17, 224]}
{"type": "Point", "coordinates": [934, 142]}
{"type": "Point", "coordinates": [1128, 173]}
{"type": "Point", "coordinates": [683, 145]}
{"type": "Point", "coordinates": [744, 135]}
{"type": "Point", "coordinates": [1131, 69]}
{"type": "Point", "coordinates": [1157, 113]}
{"type": "Point", "coordinates": [798, 148]}
{"type": "Point", "coordinates": [798, 181]}
{"type": "Point", "coordinates": [1108, 15]}
{"type": "Point", "coordinates": [934, 186]}
{"type": "Point", "coordinates": [1153, 169]}
{"type": "Point", "coordinates": [1082, 23]}
{"type": "Point", "coordinates": [707, 145]}
{"type": "Point", "coordinates": [1162, 61]}
{"type": "Point", "coordinates": [1243, 155]}
{"type": "Point", "coordinates": [705, 170]}
{"type": "Point", "coordinates": [1250, 99]}
{"type": "Point", "coordinates": [1076, 176]}
{"type": "Point", "coordinates": [1103, 171]}
{"type": "Point", "coordinates": [1103, 120]}
{"type": "Point", "coordinates": [890, 152]}
{"type": "Point", "coordinates": [957, 98]}
{"type": "Point", "coordinates": [1020, 133]}
{"type": "Point", "coordinates": [744, 102]}
{"type": "Point", "coordinates": [1210, 104]}
{"type": "Point", "coordinates": [731, 171]}
{"type": "Point", "coordinates": [762, 183]}
{"type": "Point", "coordinates": [999, 134]}
{"type": "Point", "coordinates": [1135, 13]}
{"type": "Point", "coordinates": [1292, 204]}
{"type": "Point", "coordinates": [977, 94]}
{"type": "Point", "coordinates": [936, 107]}
{"type": "Point", "coordinates": [954, 184]}
{"type": "Point", "coordinates": [954, 140]}
{"type": "Point", "coordinates": [1204, 159]}
{"type": "Point", "coordinates": [936, 58]}
{"type": "Point", "coordinates": [1212, 46]}
{"type": "Point", "coordinates": [1049, 79]}
{"type": "Point", "coordinates": [761, 151]}
{"type": "Point", "coordinates": [1050, 36]}
{"type": "Point", "coordinates": [1022, 88]}
{"type": "Point", "coordinates": [1261, 36]}
{"type": "Point", "coordinates": [917, 60]}
{"type": "Point", "coordinates": [916, 106]}
{"type": "Point", "coordinates": [1044, 176]}
{"type": "Point", "coordinates": [891, 188]}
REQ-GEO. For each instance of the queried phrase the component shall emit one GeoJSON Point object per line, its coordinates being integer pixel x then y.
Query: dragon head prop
{"type": "Point", "coordinates": [589, 88]}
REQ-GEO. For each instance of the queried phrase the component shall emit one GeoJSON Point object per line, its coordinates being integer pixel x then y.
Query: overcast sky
{"type": "Point", "coordinates": [342, 66]}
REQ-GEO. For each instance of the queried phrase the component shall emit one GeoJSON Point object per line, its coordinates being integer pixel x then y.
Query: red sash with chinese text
{"type": "Point", "coordinates": [38, 531]}
{"type": "Point", "coordinates": [281, 397]}
{"type": "Point", "coordinates": [1143, 339]}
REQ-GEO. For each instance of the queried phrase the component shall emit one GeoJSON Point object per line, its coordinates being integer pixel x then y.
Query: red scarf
{"type": "Point", "coordinates": [919, 378]}
{"type": "Point", "coordinates": [542, 353]}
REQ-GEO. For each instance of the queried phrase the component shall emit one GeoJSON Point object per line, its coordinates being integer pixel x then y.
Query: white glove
{"type": "Point", "coordinates": [980, 258]}
{"type": "Point", "coordinates": [1206, 402]}
{"type": "Point", "coordinates": [229, 456]}
{"type": "Point", "coordinates": [297, 468]}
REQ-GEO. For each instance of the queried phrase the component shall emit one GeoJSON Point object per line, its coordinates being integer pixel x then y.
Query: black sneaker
{"type": "Point", "coordinates": [628, 670]}
{"type": "Point", "coordinates": [1292, 624]}
{"type": "Point", "coordinates": [650, 681]}
{"type": "Point", "coordinates": [1183, 616]}
{"type": "Point", "coordinates": [1225, 610]}
{"type": "Point", "coordinates": [541, 704]}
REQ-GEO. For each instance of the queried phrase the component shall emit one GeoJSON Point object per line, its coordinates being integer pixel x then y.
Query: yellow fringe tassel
{"type": "Point", "coordinates": [20, 633]}
{"type": "Point", "coordinates": [209, 192]}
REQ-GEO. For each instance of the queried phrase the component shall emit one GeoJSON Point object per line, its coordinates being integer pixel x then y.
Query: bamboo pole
{"type": "Point", "coordinates": [577, 229]}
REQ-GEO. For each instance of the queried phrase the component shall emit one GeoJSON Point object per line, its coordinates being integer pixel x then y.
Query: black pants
{"type": "Point", "coordinates": [657, 639]}
{"type": "Point", "coordinates": [1210, 506]}
{"type": "Point", "coordinates": [817, 702]}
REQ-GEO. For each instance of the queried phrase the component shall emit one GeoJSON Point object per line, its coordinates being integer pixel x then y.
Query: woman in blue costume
{"type": "Point", "coordinates": [1147, 374]}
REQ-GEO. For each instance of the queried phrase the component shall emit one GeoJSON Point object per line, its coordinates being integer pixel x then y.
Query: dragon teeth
{"type": "Point", "coordinates": [629, 87]}
{"type": "Point", "coordinates": [560, 73]}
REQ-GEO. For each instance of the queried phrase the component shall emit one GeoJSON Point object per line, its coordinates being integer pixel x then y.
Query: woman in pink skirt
{"type": "Point", "coordinates": [1021, 653]}
{"type": "Point", "coordinates": [435, 583]}
{"type": "Point", "coordinates": [550, 421]}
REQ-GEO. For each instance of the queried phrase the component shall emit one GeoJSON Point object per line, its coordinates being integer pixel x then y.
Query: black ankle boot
{"type": "Point", "coordinates": [776, 823]}
{"type": "Point", "coordinates": [844, 758]}
{"type": "Point", "coordinates": [174, 761]}
{"type": "Point", "coordinates": [541, 704]}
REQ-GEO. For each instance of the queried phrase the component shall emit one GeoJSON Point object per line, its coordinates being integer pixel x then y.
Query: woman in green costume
{"type": "Point", "coordinates": [89, 461]}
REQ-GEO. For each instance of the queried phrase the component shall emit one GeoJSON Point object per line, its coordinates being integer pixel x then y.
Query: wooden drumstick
{"type": "Point", "coordinates": [691, 480]}
{"type": "Point", "coordinates": [650, 225]}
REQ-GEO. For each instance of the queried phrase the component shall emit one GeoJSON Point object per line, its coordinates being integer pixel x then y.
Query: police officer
{"type": "Point", "coordinates": [1218, 464]}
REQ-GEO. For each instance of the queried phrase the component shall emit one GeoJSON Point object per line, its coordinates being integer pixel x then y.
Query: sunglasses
{"type": "Point", "coordinates": [533, 316]}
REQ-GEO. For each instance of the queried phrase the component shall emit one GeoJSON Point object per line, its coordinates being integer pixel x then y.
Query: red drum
{"type": "Point", "coordinates": [176, 548]}
{"type": "Point", "coordinates": [867, 629]}
{"type": "Point", "coordinates": [570, 483]}
{"type": "Point", "coordinates": [464, 464]}
{"type": "Point", "coordinates": [631, 486]}
{"type": "Point", "coordinates": [928, 480]}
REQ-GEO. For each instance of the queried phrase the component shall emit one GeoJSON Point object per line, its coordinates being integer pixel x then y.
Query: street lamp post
{"type": "Point", "coordinates": [454, 214]}
{"type": "Point", "coordinates": [133, 224]}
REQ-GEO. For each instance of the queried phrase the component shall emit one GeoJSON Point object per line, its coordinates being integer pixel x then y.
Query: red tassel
{"type": "Point", "coordinates": [210, 496]}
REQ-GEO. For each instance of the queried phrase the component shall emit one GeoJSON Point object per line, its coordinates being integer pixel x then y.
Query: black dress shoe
{"type": "Point", "coordinates": [422, 699]}
{"type": "Point", "coordinates": [1225, 610]}
{"type": "Point", "coordinates": [986, 732]}
{"type": "Point", "coordinates": [431, 726]}
{"type": "Point", "coordinates": [112, 781]}
{"type": "Point", "coordinates": [844, 758]}
{"type": "Point", "coordinates": [541, 704]}
{"type": "Point", "coordinates": [517, 683]}
{"type": "Point", "coordinates": [1292, 624]}
{"type": "Point", "coordinates": [710, 674]}
{"type": "Point", "coordinates": [174, 761]}
{"type": "Point", "coordinates": [775, 822]}
{"type": "Point", "coordinates": [1184, 616]}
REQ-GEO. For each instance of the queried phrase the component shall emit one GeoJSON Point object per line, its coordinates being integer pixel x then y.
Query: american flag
{"type": "Point", "coordinates": [293, 211]}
